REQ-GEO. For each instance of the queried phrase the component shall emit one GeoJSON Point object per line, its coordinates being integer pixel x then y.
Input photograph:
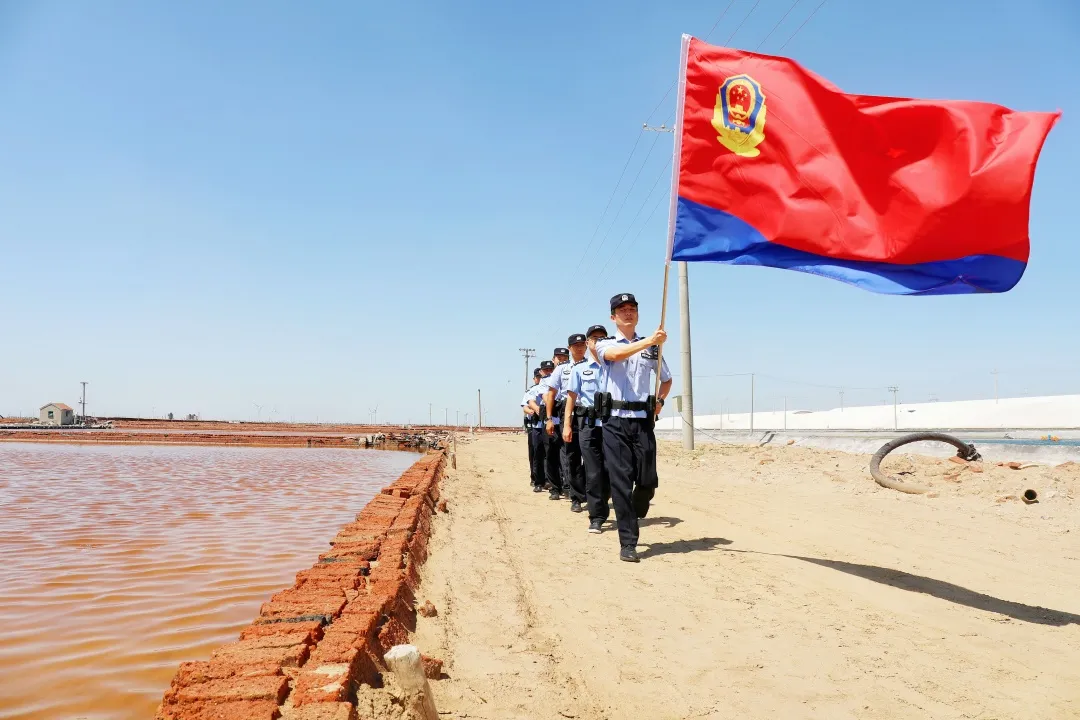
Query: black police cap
{"type": "Point", "coordinates": [623, 299]}
{"type": "Point", "coordinates": [561, 351]}
{"type": "Point", "coordinates": [575, 339]}
{"type": "Point", "coordinates": [547, 365]}
{"type": "Point", "coordinates": [597, 328]}
{"type": "Point", "coordinates": [536, 372]}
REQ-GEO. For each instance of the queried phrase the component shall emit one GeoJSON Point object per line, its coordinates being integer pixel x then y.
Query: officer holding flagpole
{"type": "Point", "coordinates": [629, 361]}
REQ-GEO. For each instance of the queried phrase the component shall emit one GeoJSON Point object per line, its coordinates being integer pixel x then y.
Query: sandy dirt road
{"type": "Point", "coordinates": [774, 583]}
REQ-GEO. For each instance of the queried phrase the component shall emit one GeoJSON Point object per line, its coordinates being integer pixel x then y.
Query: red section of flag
{"type": "Point", "coordinates": [855, 177]}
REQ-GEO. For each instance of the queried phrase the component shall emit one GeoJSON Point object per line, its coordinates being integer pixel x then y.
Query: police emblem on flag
{"type": "Point", "coordinates": [739, 116]}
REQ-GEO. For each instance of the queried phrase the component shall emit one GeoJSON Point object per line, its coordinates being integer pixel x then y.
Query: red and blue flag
{"type": "Point", "coordinates": [894, 195]}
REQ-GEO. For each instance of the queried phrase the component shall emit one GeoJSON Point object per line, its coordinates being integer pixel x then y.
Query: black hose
{"type": "Point", "coordinates": [964, 451]}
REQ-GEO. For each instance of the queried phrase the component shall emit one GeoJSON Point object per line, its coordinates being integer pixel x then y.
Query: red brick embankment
{"type": "Point", "coordinates": [315, 428]}
{"type": "Point", "coordinates": [316, 643]}
{"type": "Point", "coordinates": [111, 437]}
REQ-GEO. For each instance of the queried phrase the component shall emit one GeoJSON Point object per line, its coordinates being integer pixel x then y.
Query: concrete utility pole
{"type": "Point", "coordinates": [446, 416]}
{"type": "Point", "coordinates": [84, 401]}
{"type": "Point", "coordinates": [841, 399]}
{"type": "Point", "coordinates": [528, 353]}
{"type": "Point", "coordinates": [687, 367]}
{"type": "Point", "coordinates": [429, 413]}
{"type": "Point", "coordinates": [894, 389]}
{"type": "Point", "coordinates": [457, 418]}
{"type": "Point", "coordinates": [479, 415]}
{"type": "Point", "coordinates": [994, 372]}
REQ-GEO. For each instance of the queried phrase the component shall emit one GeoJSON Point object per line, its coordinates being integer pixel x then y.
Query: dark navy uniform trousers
{"type": "Point", "coordinates": [630, 460]}
{"type": "Point", "coordinates": [597, 487]}
{"type": "Point", "coordinates": [573, 475]}
{"type": "Point", "coordinates": [553, 459]}
{"type": "Point", "coordinates": [537, 467]}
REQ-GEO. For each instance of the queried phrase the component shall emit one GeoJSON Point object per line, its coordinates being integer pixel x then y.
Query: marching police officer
{"type": "Point", "coordinates": [532, 424]}
{"type": "Point", "coordinates": [581, 420]}
{"type": "Point", "coordinates": [629, 361]}
{"type": "Point", "coordinates": [573, 473]}
{"type": "Point", "coordinates": [553, 450]}
{"type": "Point", "coordinates": [539, 469]}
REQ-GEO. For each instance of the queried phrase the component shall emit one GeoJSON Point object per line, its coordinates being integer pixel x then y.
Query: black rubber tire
{"type": "Point", "coordinates": [964, 450]}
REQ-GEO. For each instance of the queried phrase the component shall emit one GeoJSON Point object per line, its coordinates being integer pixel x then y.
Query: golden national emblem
{"type": "Point", "coordinates": [739, 117]}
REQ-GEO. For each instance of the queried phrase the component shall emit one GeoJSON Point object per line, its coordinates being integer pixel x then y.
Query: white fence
{"type": "Point", "coordinates": [1056, 411]}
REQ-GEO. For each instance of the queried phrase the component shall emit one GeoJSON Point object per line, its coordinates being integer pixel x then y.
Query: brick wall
{"type": "Point", "coordinates": [316, 642]}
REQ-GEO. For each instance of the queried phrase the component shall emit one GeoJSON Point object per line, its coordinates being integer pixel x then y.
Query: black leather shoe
{"type": "Point", "coordinates": [553, 496]}
{"type": "Point", "coordinates": [596, 526]}
{"type": "Point", "coordinates": [575, 506]}
{"type": "Point", "coordinates": [628, 554]}
{"type": "Point", "coordinates": [538, 488]}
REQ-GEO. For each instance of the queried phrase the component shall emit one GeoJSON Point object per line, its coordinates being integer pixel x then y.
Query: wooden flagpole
{"type": "Point", "coordinates": [673, 206]}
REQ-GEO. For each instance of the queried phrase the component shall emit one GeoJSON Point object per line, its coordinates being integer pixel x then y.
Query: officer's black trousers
{"type": "Point", "coordinates": [597, 487]}
{"type": "Point", "coordinates": [573, 474]}
{"type": "Point", "coordinates": [630, 460]}
{"type": "Point", "coordinates": [529, 445]}
{"type": "Point", "coordinates": [553, 459]}
{"type": "Point", "coordinates": [537, 446]}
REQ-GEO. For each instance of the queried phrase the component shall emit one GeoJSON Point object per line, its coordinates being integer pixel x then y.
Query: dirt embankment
{"type": "Point", "coordinates": [776, 582]}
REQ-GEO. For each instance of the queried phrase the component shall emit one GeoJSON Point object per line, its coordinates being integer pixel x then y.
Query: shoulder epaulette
{"type": "Point", "coordinates": [609, 337]}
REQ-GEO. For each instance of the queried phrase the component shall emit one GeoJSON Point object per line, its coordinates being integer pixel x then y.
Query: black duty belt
{"type": "Point", "coordinates": [629, 405]}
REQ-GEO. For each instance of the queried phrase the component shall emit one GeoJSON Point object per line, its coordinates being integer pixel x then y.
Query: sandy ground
{"type": "Point", "coordinates": [774, 583]}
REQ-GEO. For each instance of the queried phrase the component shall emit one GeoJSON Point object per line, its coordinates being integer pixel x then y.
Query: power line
{"type": "Point", "coordinates": [779, 22]}
{"type": "Point", "coordinates": [604, 271]}
{"type": "Point", "coordinates": [636, 238]}
{"type": "Point", "coordinates": [636, 216]}
{"type": "Point", "coordinates": [627, 197]}
{"type": "Point", "coordinates": [732, 36]}
{"type": "Point", "coordinates": [610, 198]}
{"type": "Point", "coordinates": [634, 149]}
{"type": "Point", "coordinates": [676, 82]}
{"type": "Point", "coordinates": [808, 19]}
{"type": "Point", "coordinates": [789, 381]}
{"type": "Point", "coordinates": [615, 219]}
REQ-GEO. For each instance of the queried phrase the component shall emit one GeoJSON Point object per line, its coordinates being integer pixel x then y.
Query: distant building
{"type": "Point", "coordinates": [57, 414]}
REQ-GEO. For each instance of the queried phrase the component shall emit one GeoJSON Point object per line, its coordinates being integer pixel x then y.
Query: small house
{"type": "Point", "coordinates": [57, 414]}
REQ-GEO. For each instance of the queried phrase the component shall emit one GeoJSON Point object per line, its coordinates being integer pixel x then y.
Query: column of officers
{"type": "Point", "coordinates": [590, 416]}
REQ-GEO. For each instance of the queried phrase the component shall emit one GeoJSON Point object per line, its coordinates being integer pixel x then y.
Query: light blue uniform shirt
{"type": "Point", "coordinates": [540, 390]}
{"type": "Point", "coordinates": [630, 380]}
{"type": "Point", "coordinates": [530, 394]}
{"type": "Point", "coordinates": [557, 379]}
{"type": "Point", "coordinates": [585, 380]}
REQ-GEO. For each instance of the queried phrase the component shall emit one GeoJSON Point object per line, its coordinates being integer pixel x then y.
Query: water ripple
{"type": "Point", "coordinates": [118, 563]}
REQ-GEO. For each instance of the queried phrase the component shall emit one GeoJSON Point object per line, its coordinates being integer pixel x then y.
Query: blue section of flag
{"type": "Point", "coordinates": [705, 234]}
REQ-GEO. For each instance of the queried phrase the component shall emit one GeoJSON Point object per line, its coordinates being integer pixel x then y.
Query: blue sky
{"type": "Point", "coordinates": [208, 205]}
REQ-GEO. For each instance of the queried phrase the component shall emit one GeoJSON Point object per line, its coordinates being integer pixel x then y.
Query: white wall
{"type": "Point", "coordinates": [1057, 411]}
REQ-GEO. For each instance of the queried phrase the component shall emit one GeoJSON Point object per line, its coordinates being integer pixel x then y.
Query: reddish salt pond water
{"type": "Point", "coordinates": [118, 563]}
